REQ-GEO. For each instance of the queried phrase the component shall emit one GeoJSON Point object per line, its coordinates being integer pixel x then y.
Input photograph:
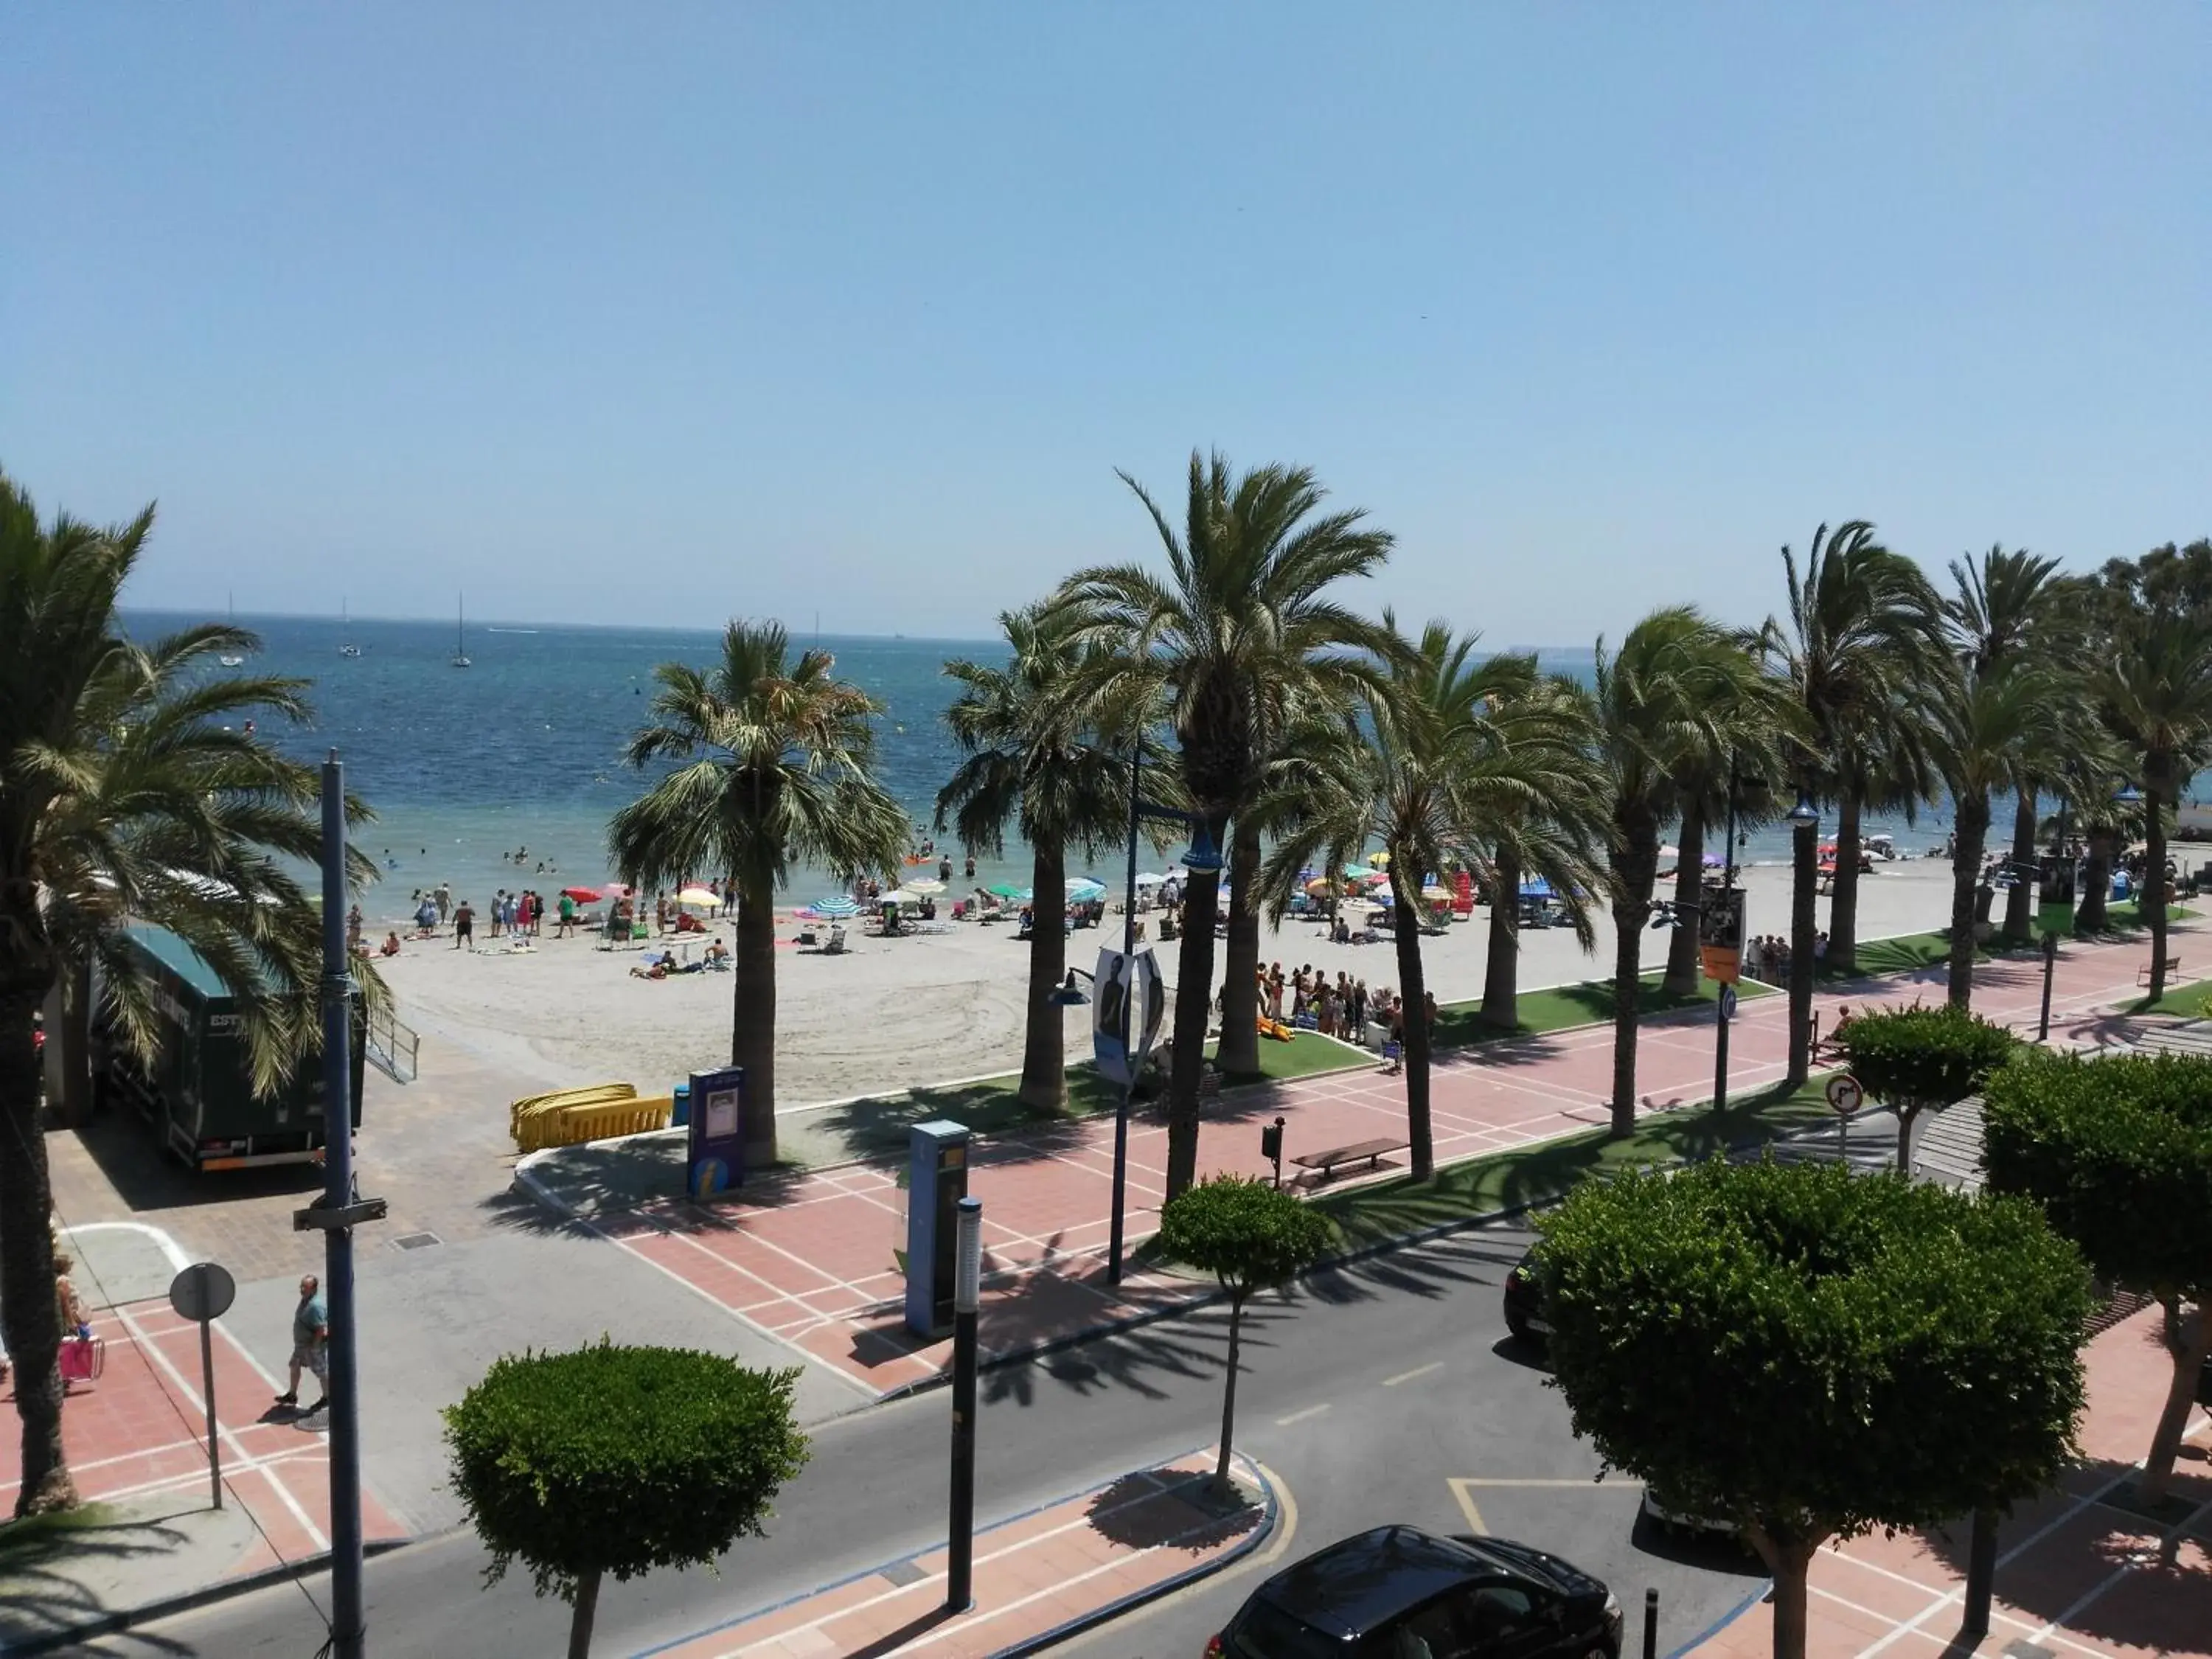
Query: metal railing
{"type": "Point", "coordinates": [392, 1046]}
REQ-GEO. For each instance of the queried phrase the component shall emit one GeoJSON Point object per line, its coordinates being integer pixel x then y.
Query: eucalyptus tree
{"type": "Point", "coordinates": [1862, 632]}
{"type": "Point", "coordinates": [1033, 755]}
{"type": "Point", "coordinates": [771, 767]}
{"type": "Point", "coordinates": [1248, 627]}
{"type": "Point", "coordinates": [134, 790]}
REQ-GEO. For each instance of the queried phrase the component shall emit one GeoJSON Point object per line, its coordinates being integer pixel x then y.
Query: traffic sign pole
{"type": "Point", "coordinates": [203, 1293]}
{"type": "Point", "coordinates": [207, 1390]}
{"type": "Point", "coordinates": [1845, 1096]}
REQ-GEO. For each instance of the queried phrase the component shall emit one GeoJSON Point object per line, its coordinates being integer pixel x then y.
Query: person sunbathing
{"type": "Point", "coordinates": [390, 945]}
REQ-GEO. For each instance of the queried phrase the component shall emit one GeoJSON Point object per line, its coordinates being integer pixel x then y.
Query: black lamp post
{"type": "Point", "coordinates": [1804, 819]}
{"type": "Point", "coordinates": [1727, 992]}
{"type": "Point", "coordinates": [1203, 859]}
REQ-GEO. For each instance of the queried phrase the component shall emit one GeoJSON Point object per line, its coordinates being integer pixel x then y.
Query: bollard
{"type": "Point", "coordinates": [1651, 1623]}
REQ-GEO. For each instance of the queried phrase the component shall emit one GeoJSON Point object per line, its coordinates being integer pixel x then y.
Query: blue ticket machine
{"type": "Point", "coordinates": [937, 1180]}
{"type": "Point", "coordinates": [715, 1159]}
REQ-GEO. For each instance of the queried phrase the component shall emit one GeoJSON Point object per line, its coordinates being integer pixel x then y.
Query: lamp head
{"type": "Point", "coordinates": [1204, 858]}
{"type": "Point", "coordinates": [1804, 812]}
{"type": "Point", "coordinates": [2127, 795]}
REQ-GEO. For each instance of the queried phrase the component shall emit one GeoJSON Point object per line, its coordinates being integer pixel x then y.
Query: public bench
{"type": "Point", "coordinates": [1323, 1166]}
{"type": "Point", "coordinates": [2173, 973]}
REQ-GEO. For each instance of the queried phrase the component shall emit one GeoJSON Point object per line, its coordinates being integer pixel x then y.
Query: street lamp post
{"type": "Point", "coordinates": [1805, 825]}
{"type": "Point", "coordinates": [1200, 859]}
{"type": "Point", "coordinates": [1728, 885]}
{"type": "Point", "coordinates": [967, 1300]}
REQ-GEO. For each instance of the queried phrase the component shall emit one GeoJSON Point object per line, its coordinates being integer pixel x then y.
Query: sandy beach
{"type": "Point", "coordinates": [941, 1006]}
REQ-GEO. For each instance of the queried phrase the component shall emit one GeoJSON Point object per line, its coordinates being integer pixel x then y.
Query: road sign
{"type": "Point", "coordinates": [1845, 1095]}
{"type": "Point", "coordinates": [203, 1293]}
{"type": "Point", "coordinates": [1728, 1002]}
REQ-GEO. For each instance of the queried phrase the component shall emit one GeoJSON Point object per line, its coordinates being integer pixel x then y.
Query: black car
{"type": "Point", "coordinates": [1524, 1306]}
{"type": "Point", "coordinates": [1400, 1593]}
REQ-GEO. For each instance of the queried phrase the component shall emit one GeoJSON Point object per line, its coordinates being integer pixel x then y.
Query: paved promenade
{"type": "Point", "coordinates": [809, 1260]}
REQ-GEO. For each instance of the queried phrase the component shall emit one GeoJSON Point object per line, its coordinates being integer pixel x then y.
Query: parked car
{"type": "Point", "coordinates": [1400, 1593]}
{"type": "Point", "coordinates": [1524, 1306]}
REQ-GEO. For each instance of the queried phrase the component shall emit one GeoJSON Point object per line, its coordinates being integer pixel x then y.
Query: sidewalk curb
{"type": "Point", "coordinates": [147, 1612]}
{"type": "Point", "coordinates": [1060, 1632]}
{"type": "Point", "coordinates": [1151, 1593]}
{"type": "Point", "coordinates": [1727, 1619]}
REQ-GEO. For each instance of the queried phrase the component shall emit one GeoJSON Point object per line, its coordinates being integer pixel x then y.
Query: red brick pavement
{"type": "Point", "coordinates": [810, 1260]}
{"type": "Point", "coordinates": [1033, 1575]}
{"type": "Point", "coordinates": [141, 1430]}
{"type": "Point", "coordinates": [2077, 1577]}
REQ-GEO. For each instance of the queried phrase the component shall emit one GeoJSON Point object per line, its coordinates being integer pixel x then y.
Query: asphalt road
{"type": "Point", "coordinates": [1383, 1393]}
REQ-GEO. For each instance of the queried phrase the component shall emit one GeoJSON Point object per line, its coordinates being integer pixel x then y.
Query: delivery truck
{"type": "Point", "coordinates": [198, 1090]}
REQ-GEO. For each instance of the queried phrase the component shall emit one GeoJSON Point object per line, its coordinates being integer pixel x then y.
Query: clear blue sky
{"type": "Point", "coordinates": [658, 313]}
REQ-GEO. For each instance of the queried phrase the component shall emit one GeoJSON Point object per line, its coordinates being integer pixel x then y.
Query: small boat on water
{"type": "Point", "coordinates": [346, 647]}
{"type": "Point", "coordinates": [460, 637]}
{"type": "Point", "coordinates": [230, 658]}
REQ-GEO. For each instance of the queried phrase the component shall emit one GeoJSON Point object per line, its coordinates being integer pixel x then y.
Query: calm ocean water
{"type": "Point", "coordinates": [523, 749]}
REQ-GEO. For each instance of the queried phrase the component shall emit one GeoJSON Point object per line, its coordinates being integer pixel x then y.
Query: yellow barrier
{"type": "Point", "coordinates": [568, 1125]}
{"type": "Point", "coordinates": [590, 1094]}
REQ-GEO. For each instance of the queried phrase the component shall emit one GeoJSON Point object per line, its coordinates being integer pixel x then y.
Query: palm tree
{"type": "Point", "coordinates": [1243, 633]}
{"type": "Point", "coordinates": [1982, 722]}
{"type": "Point", "coordinates": [1676, 690]}
{"type": "Point", "coordinates": [2156, 693]}
{"type": "Point", "coordinates": [126, 796]}
{"type": "Point", "coordinates": [771, 760]}
{"type": "Point", "coordinates": [1433, 765]}
{"type": "Point", "coordinates": [1862, 632]}
{"type": "Point", "coordinates": [1031, 758]}
{"type": "Point", "coordinates": [1557, 837]}
{"type": "Point", "coordinates": [2001, 614]}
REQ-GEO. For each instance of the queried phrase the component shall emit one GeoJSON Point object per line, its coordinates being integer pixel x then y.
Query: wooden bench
{"type": "Point", "coordinates": [1324, 1165]}
{"type": "Point", "coordinates": [2173, 973]}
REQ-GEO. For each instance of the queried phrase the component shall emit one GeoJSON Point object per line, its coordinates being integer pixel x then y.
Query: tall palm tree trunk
{"type": "Point", "coordinates": [2151, 904]}
{"type": "Point", "coordinates": [1973, 833]}
{"type": "Point", "coordinates": [1804, 880]}
{"type": "Point", "coordinates": [2096, 884]}
{"type": "Point", "coordinates": [1407, 926]}
{"type": "Point", "coordinates": [1239, 1053]}
{"type": "Point", "coordinates": [71, 1042]}
{"type": "Point", "coordinates": [1044, 1050]}
{"type": "Point", "coordinates": [752, 1011]}
{"type": "Point", "coordinates": [2020, 901]}
{"type": "Point", "coordinates": [1689, 887]}
{"type": "Point", "coordinates": [1193, 999]}
{"type": "Point", "coordinates": [1844, 898]}
{"type": "Point", "coordinates": [26, 1258]}
{"type": "Point", "coordinates": [1634, 869]}
{"type": "Point", "coordinates": [1501, 979]}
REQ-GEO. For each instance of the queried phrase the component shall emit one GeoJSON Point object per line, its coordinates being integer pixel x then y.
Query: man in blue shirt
{"type": "Point", "coordinates": [311, 1341]}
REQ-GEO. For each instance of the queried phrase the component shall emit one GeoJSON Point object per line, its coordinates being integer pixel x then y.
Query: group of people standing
{"type": "Point", "coordinates": [1766, 958]}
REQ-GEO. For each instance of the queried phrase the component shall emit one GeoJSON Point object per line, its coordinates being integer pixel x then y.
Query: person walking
{"type": "Point", "coordinates": [566, 927]}
{"type": "Point", "coordinates": [464, 924]}
{"type": "Point", "coordinates": [497, 910]}
{"type": "Point", "coordinates": [311, 1340]}
{"type": "Point", "coordinates": [444, 895]}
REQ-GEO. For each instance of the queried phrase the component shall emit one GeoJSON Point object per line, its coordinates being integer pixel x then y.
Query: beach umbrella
{"type": "Point", "coordinates": [616, 889]}
{"type": "Point", "coordinates": [902, 896]}
{"type": "Point", "coordinates": [1007, 890]}
{"type": "Point", "coordinates": [1148, 878]}
{"type": "Point", "coordinates": [926, 884]}
{"type": "Point", "coordinates": [1715, 862]}
{"type": "Point", "coordinates": [699, 898]}
{"type": "Point", "coordinates": [1321, 887]}
{"type": "Point", "coordinates": [1084, 889]}
{"type": "Point", "coordinates": [1380, 860]}
{"type": "Point", "coordinates": [1535, 888]}
{"type": "Point", "coordinates": [837, 906]}
{"type": "Point", "coordinates": [581, 895]}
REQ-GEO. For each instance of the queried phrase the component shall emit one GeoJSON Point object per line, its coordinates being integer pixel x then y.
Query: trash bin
{"type": "Point", "coordinates": [681, 1116]}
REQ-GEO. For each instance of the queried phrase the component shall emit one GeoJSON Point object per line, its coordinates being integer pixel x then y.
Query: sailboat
{"type": "Point", "coordinates": [229, 658]}
{"type": "Point", "coordinates": [460, 641]}
{"type": "Point", "coordinates": [346, 647]}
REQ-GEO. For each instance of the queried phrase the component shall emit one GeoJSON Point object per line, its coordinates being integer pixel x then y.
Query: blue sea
{"type": "Point", "coordinates": [522, 751]}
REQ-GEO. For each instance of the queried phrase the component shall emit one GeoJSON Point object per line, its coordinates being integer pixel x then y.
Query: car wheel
{"type": "Point", "coordinates": [1517, 1328]}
